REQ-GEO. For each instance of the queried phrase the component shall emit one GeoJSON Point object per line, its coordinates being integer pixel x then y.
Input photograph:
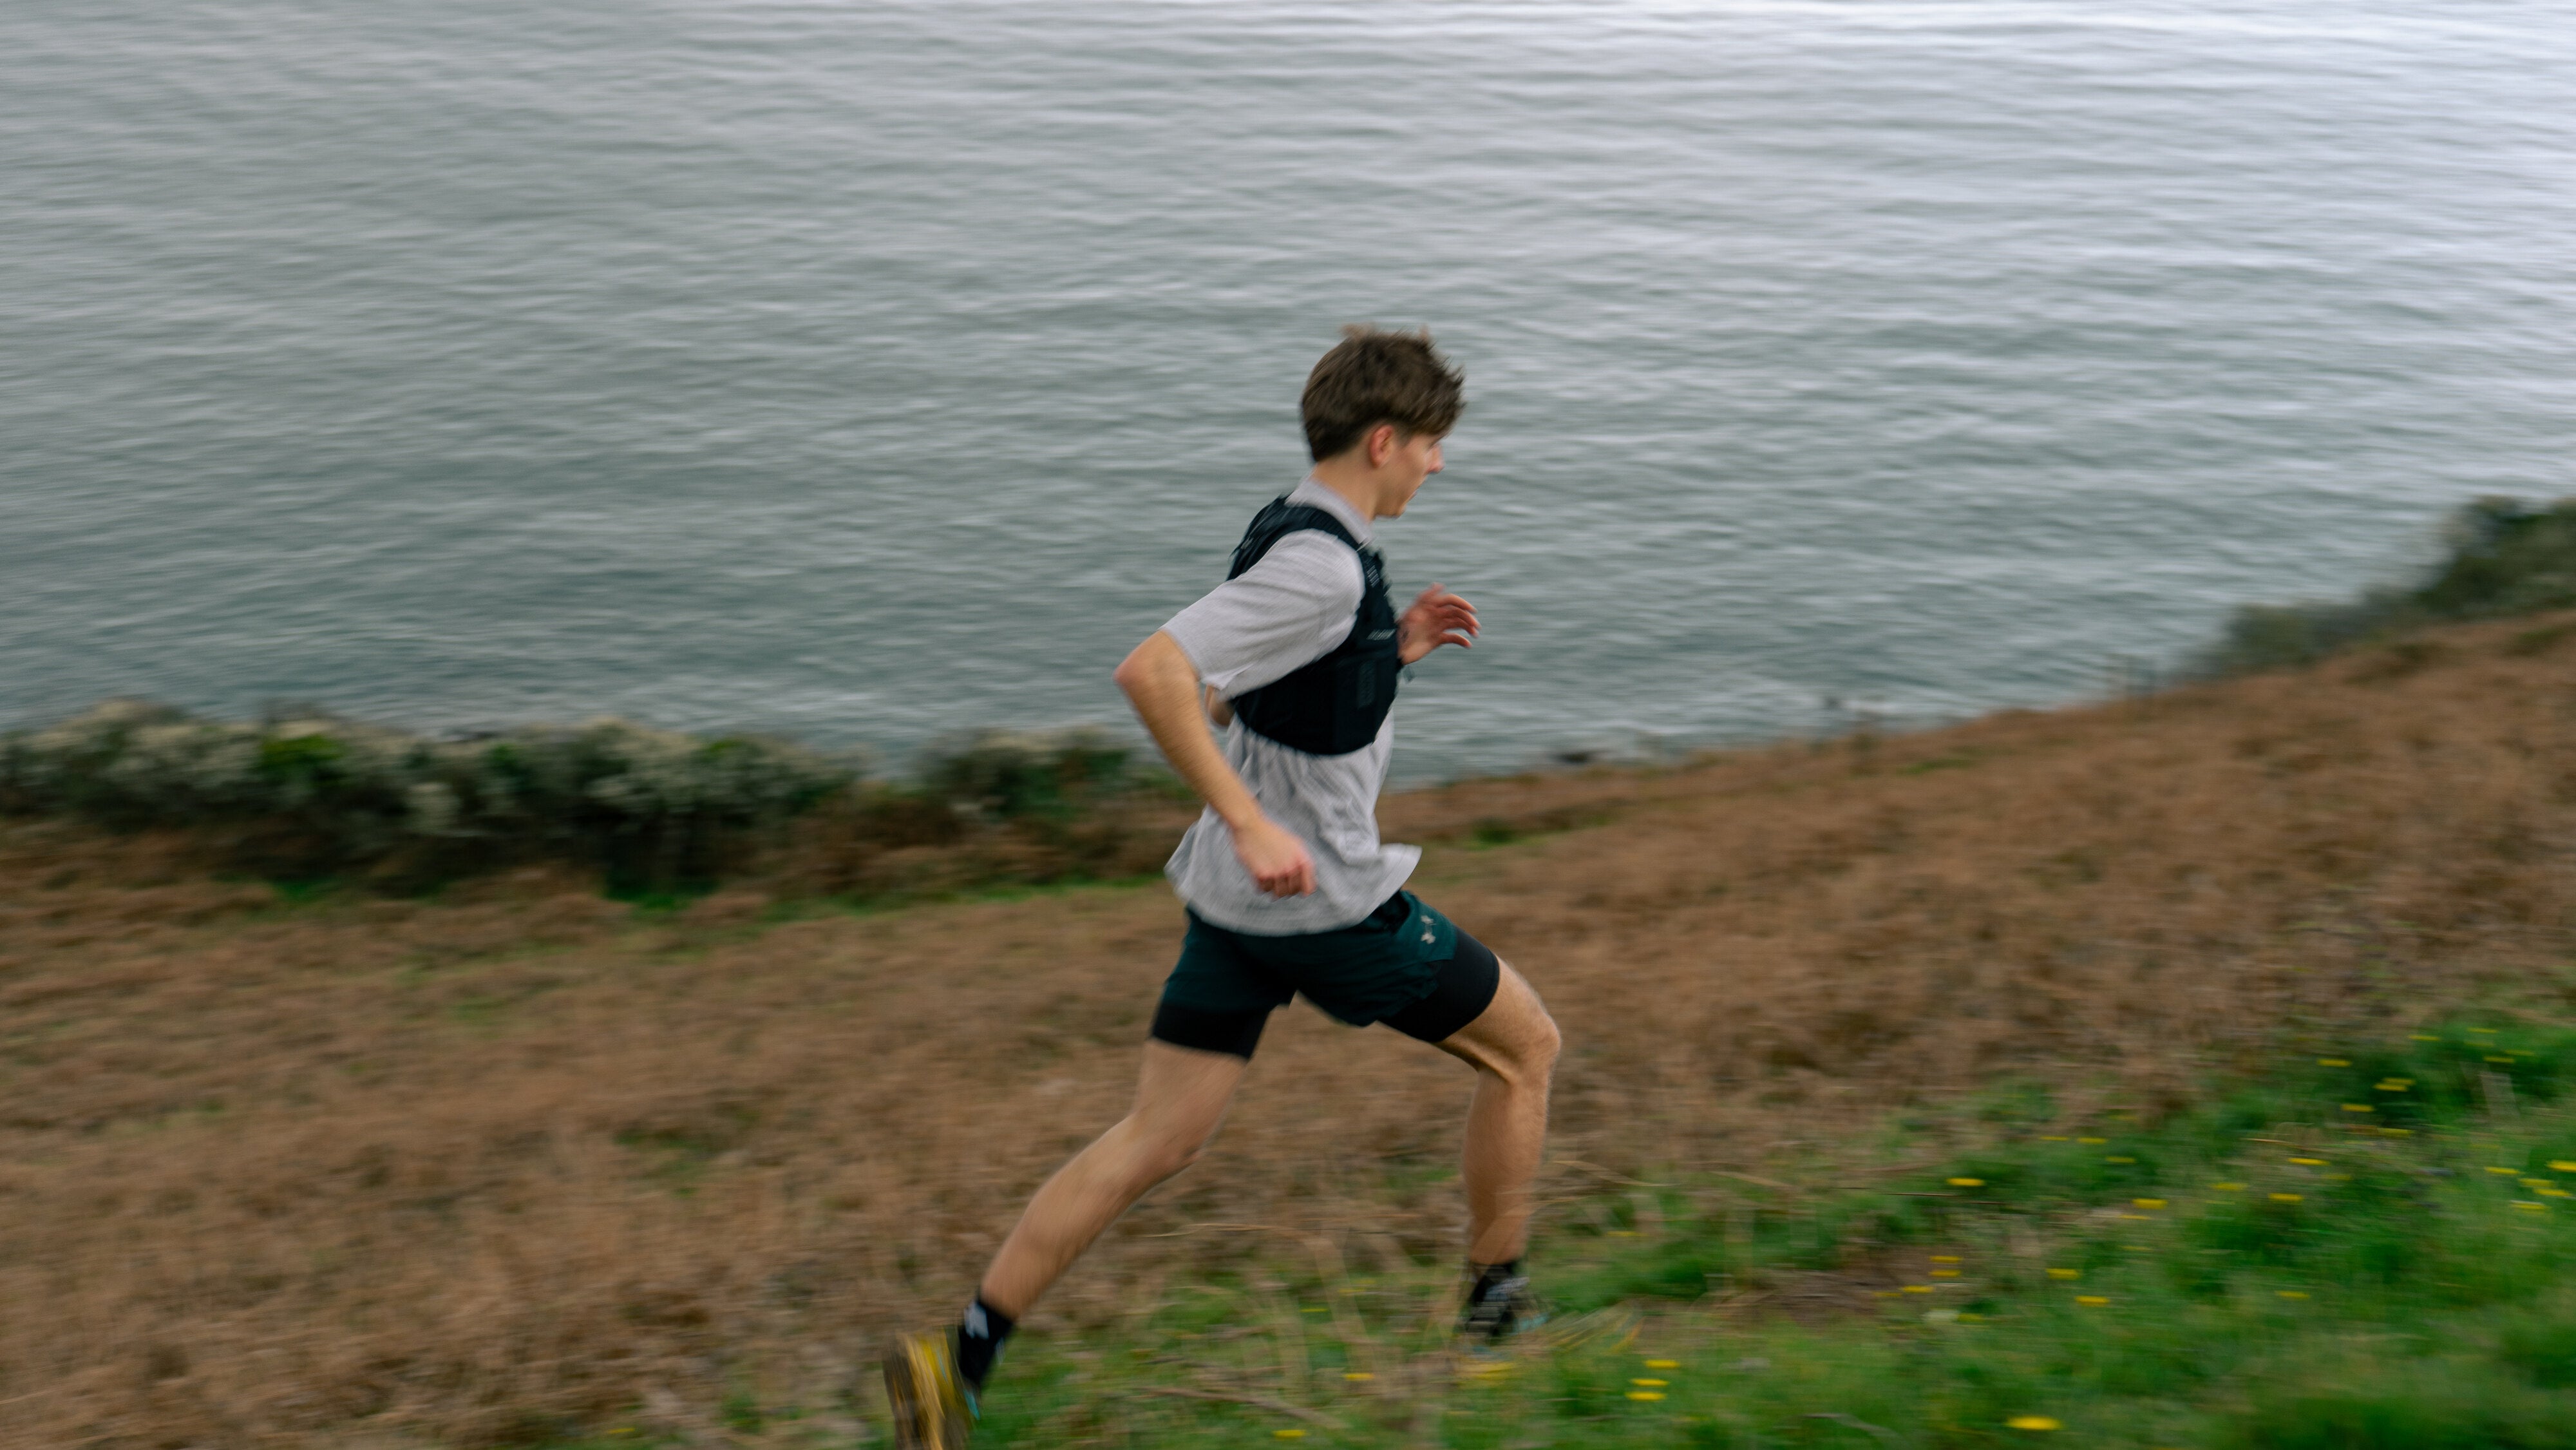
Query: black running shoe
{"type": "Point", "coordinates": [1497, 1309]}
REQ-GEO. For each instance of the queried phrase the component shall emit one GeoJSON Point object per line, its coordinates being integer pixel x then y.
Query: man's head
{"type": "Point", "coordinates": [1376, 408]}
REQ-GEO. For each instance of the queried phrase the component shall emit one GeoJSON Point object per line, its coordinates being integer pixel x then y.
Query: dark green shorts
{"type": "Point", "coordinates": [1405, 965]}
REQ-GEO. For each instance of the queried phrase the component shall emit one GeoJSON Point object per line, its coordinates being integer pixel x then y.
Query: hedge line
{"type": "Point", "coordinates": [309, 794]}
{"type": "Point", "coordinates": [2503, 558]}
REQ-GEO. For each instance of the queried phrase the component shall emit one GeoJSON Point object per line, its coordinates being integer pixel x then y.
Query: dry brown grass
{"type": "Point", "coordinates": [371, 1170]}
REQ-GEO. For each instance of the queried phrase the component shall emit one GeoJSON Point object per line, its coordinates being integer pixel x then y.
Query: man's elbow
{"type": "Point", "coordinates": [1137, 668]}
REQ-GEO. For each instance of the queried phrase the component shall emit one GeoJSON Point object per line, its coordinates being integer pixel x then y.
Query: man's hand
{"type": "Point", "coordinates": [1437, 617]}
{"type": "Point", "coordinates": [1275, 857]}
{"type": "Point", "coordinates": [1165, 689]}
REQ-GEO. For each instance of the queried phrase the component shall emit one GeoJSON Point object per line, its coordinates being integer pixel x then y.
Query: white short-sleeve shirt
{"type": "Point", "coordinates": [1290, 609]}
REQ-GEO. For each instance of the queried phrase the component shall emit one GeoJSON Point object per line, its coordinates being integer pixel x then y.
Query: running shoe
{"type": "Point", "coordinates": [1504, 1309]}
{"type": "Point", "coordinates": [933, 1408]}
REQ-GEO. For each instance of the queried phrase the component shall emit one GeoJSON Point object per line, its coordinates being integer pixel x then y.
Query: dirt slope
{"type": "Point", "coordinates": [350, 1172]}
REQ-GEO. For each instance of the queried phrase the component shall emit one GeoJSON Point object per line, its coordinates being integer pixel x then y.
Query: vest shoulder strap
{"type": "Point", "coordinates": [1277, 520]}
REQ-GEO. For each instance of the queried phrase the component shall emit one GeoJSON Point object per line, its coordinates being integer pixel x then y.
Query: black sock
{"type": "Point", "coordinates": [1489, 1277]}
{"type": "Point", "coordinates": [979, 1340]}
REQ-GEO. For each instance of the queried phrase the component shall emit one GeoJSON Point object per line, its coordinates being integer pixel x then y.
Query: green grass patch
{"type": "Point", "coordinates": [2267, 1268]}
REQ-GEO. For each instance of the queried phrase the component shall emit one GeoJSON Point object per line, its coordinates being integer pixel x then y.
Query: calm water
{"type": "Point", "coordinates": [871, 371]}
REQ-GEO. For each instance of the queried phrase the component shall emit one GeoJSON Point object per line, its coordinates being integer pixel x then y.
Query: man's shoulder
{"type": "Point", "coordinates": [1313, 560]}
{"type": "Point", "coordinates": [1289, 517]}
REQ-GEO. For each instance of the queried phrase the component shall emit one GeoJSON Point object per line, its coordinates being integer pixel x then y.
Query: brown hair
{"type": "Point", "coordinates": [1372, 377]}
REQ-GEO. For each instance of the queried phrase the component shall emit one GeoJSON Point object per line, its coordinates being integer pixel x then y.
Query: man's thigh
{"type": "Point", "coordinates": [1181, 1093]}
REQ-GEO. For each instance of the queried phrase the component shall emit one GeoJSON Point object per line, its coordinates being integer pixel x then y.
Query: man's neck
{"type": "Point", "coordinates": [1351, 486]}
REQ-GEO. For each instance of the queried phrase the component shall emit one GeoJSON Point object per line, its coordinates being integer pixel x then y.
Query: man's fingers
{"type": "Point", "coordinates": [1297, 882]}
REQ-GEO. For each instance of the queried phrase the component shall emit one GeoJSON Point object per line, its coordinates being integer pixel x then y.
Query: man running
{"type": "Point", "coordinates": [1295, 657]}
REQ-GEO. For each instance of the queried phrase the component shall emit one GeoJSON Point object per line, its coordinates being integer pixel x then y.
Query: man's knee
{"type": "Point", "coordinates": [1524, 1057]}
{"type": "Point", "coordinates": [1537, 1052]}
{"type": "Point", "coordinates": [1161, 1152]}
{"type": "Point", "coordinates": [1548, 1040]}
{"type": "Point", "coordinates": [1531, 1042]}
{"type": "Point", "coordinates": [1171, 1159]}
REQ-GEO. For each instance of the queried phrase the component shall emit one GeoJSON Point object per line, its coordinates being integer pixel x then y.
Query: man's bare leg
{"type": "Point", "coordinates": [1512, 1045]}
{"type": "Point", "coordinates": [1181, 1095]}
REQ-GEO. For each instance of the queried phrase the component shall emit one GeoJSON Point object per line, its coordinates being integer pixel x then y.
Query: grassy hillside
{"type": "Point", "coordinates": [520, 1164]}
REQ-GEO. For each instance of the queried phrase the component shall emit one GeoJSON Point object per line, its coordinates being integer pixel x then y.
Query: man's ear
{"type": "Point", "coordinates": [1381, 444]}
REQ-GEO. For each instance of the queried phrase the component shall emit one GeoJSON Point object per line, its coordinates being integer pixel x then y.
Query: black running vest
{"type": "Point", "coordinates": [1334, 705]}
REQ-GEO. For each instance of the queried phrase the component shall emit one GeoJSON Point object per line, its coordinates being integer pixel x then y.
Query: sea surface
{"type": "Point", "coordinates": [869, 373]}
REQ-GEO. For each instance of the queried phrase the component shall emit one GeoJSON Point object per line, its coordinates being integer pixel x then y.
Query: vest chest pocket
{"type": "Point", "coordinates": [1363, 688]}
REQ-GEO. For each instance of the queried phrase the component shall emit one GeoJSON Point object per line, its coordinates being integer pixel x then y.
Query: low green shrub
{"type": "Point", "coordinates": [307, 794]}
{"type": "Point", "coordinates": [310, 793]}
{"type": "Point", "coordinates": [2501, 558]}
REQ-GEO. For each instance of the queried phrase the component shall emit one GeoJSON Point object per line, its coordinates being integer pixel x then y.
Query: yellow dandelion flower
{"type": "Point", "coordinates": [1967, 1183]}
{"type": "Point", "coordinates": [2066, 1273]}
{"type": "Point", "coordinates": [2309, 1162]}
{"type": "Point", "coordinates": [2531, 1207]}
{"type": "Point", "coordinates": [2032, 1422]}
{"type": "Point", "coordinates": [2094, 1299]}
{"type": "Point", "coordinates": [1663, 1364]}
{"type": "Point", "coordinates": [2334, 1062]}
{"type": "Point", "coordinates": [1289, 1434]}
{"type": "Point", "coordinates": [1945, 1273]}
{"type": "Point", "coordinates": [2556, 1193]}
{"type": "Point", "coordinates": [2561, 1165]}
{"type": "Point", "coordinates": [2286, 1198]}
{"type": "Point", "coordinates": [2426, 1037]}
{"type": "Point", "coordinates": [2359, 1108]}
{"type": "Point", "coordinates": [2093, 1140]}
{"type": "Point", "coordinates": [1945, 1258]}
{"type": "Point", "coordinates": [2292, 1293]}
{"type": "Point", "coordinates": [2394, 1087]}
{"type": "Point", "coordinates": [2491, 1057]}
{"type": "Point", "coordinates": [1314, 1309]}
{"type": "Point", "coordinates": [1966, 1318]}
{"type": "Point", "coordinates": [1918, 1288]}
{"type": "Point", "coordinates": [1650, 1384]}
{"type": "Point", "coordinates": [1646, 1395]}
{"type": "Point", "coordinates": [2397, 1132]}
{"type": "Point", "coordinates": [2535, 1183]}
{"type": "Point", "coordinates": [2147, 1202]}
{"type": "Point", "coordinates": [2052, 1137]}
{"type": "Point", "coordinates": [2229, 1187]}
{"type": "Point", "coordinates": [2507, 1172]}
{"type": "Point", "coordinates": [1357, 1374]}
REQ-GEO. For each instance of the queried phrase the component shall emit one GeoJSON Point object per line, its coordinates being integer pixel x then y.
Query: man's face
{"type": "Point", "coordinates": [1409, 461]}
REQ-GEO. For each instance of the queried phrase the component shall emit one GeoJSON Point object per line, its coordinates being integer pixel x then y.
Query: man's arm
{"type": "Point", "coordinates": [1163, 685]}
